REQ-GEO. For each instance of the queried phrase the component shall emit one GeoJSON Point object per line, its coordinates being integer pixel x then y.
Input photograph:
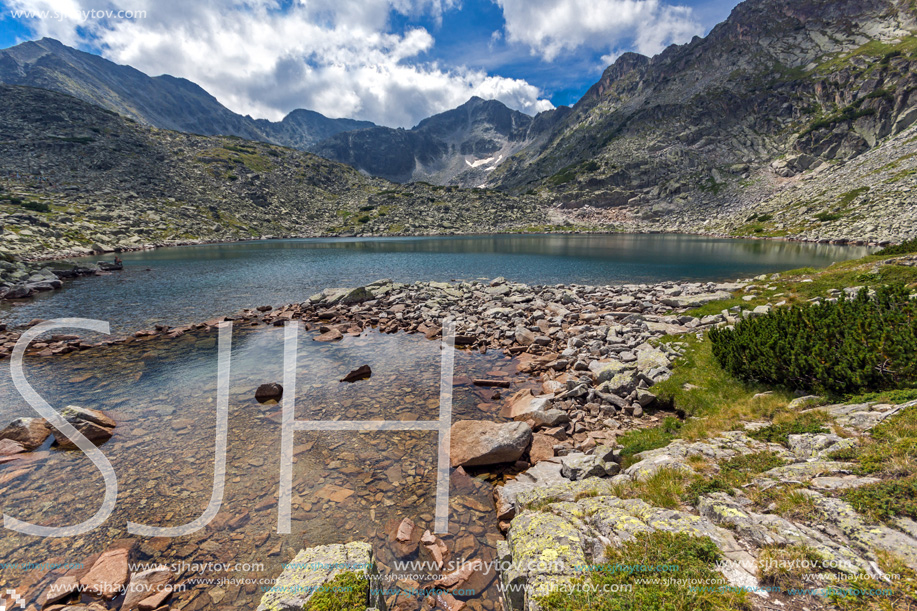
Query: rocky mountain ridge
{"type": "Point", "coordinates": [778, 90]}
{"type": "Point", "coordinates": [163, 101]}
{"type": "Point", "coordinates": [458, 147]}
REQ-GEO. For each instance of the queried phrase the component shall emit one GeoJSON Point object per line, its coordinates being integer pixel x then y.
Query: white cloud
{"type": "Point", "coordinates": [260, 58]}
{"type": "Point", "coordinates": [552, 27]}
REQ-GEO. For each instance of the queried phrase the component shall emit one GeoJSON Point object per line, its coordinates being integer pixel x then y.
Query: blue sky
{"type": "Point", "coordinates": [390, 61]}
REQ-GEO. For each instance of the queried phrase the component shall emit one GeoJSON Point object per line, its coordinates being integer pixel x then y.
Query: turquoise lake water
{"type": "Point", "coordinates": [194, 283]}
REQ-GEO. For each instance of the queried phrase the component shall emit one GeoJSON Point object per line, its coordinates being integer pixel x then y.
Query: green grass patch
{"type": "Point", "coordinates": [782, 428]}
{"type": "Point", "coordinates": [787, 501]}
{"type": "Point", "coordinates": [75, 139]}
{"type": "Point", "coordinates": [693, 558]}
{"type": "Point", "coordinates": [734, 473]}
{"type": "Point", "coordinates": [702, 486]}
{"type": "Point", "coordinates": [849, 197]}
{"type": "Point", "coordinates": [665, 488]}
{"type": "Point", "coordinates": [715, 307]}
{"type": "Point", "coordinates": [247, 156]}
{"type": "Point", "coordinates": [714, 400]}
{"type": "Point", "coordinates": [642, 440]}
{"type": "Point", "coordinates": [891, 448]}
{"type": "Point", "coordinates": [346, 592]}
{"type": "Point", "coordinates": [886, 500]}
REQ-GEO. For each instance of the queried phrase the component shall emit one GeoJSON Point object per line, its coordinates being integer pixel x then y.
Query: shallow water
{"type": "Point", "coordinates": [176, 286]}
{"type": "Point", "coordinates": [347, 485]}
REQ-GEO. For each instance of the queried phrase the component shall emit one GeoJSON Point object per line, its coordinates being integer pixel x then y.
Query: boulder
{"type": "Point", "coordinates": [331, 335]}
{"type": "Point", "coordinates": [622, 384]}
{"type": "Point", "coordinates": [357, 295]}
{"type": "Point", "coordinates": [108, 574]}
{"type": "Point", "coordinates": [477, 443]}
{"type": "Point", "coordinates": [434, 547]}
{"type": "Point", "coordinates": [548, 418]}
{"type": "Point", "coordinates": [404, 537]}
{"type": "Point", "coordinates": [18, 292]}
{"type": "Point", "coordinates": [542, 448]}
{"type": "Point", "coordinates": [147, 588]}
{"type": "Point", "coordinates": [524, 337]}
{"type": "Point", "coordinates": [817, 445]}
{"type": "Point", "coordinates": [545, 473]}
{"type": "Point", "coordinates": [579, 466]}
{"type": "Point", "coordinates": [523, 404]}
{"type": "Point", "coordinates": [30, 432]}
{"type": "Point", "coordinates": [8, 447]}
{"type": "Point", "coordinates": [693, 301]}
{"type": "Point", "coordinates": [95, 425]}
{"type": "Point", "coordinates": [360, 373]}
{"type": "Point", "coordinates": [604, 371]}
{"type": "Point", "coordinates": [269, 392]}
{"type": "Point", "coordinates": [316, 567]}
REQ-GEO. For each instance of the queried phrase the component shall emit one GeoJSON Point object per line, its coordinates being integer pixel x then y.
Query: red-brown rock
{"type": "Point", "coordinates": [30, 432]}
{"type": "Point", "coordinates": [108, 575]}
{"type": "Point", "coordinates": [477, 442]}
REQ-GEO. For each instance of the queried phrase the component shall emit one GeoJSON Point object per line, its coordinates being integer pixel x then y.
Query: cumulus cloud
{"type": "Point", "coordinates": [552, 27]}
{"type": "Point", "coordinates": [268, 57]}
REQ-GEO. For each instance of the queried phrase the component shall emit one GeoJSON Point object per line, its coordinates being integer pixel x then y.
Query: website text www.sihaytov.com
{"type": "Point", "coordinates": [289, 426]}
{"type": "Point", "coordinates": [77, 15]}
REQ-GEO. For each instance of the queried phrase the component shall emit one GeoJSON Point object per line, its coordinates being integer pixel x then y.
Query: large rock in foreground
{"type": "Point", "coordinates": [318, 571]}
{"type": "Point", "coordinates": [95, 425]}
{"type": "Point", "coordinates": [477, 443]}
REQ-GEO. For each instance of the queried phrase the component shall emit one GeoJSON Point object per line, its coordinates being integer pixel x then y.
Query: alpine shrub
{"type": "Point", "coordinates": [905, 248]}
{"type": "Point", "coordinates": [858, 344]}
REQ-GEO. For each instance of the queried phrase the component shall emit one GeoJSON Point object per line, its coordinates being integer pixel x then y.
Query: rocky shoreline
{"type": "Point", "coordinates": [25, 279]}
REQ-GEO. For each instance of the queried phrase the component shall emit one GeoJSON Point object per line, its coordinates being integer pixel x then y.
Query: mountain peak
{"type": "Point", "coordinates": [165, 101]}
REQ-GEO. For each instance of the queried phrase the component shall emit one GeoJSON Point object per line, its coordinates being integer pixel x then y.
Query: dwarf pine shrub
{"type": "Point", "coordinates": [859, 344]}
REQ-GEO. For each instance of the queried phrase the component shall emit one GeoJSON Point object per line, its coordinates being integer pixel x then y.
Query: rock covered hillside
{"type": "Point", "coordinates": [781, 89]}
{"type": "Point", "coordinates": [76, 177]}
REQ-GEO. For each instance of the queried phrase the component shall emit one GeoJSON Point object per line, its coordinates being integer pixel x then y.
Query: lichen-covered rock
{"type": "Point", "coordinates": [560, 529]}
{"type": "Point", "coordinates": [803, 471]}
{"type": "Point", "coordinates": [546, 551]}
{"type": "Point", "coordinates": [863, 416]}
{"type": "Point", "coordinates": [314, 568]}
{"type": "Point", "coordinates": [764, 530]}
{"type": "Point", "coordinates": [579, 466]}
{"type": "Point", "coordinates": [723, 447]}
{"type": "Point", "coordinates": [648, 467]}
{"type": "Point", "coordinates": [817, 445]}
{"type": "Point", "coordinates": [544, 473]}
{"type": "Point", "coordinates": [840, 515]}
{"type": "Point", "coordinates": [604, 371]}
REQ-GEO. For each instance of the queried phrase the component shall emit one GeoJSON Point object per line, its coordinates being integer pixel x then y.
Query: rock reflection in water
{"type": "Point", "coordinates": [347, 485]}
